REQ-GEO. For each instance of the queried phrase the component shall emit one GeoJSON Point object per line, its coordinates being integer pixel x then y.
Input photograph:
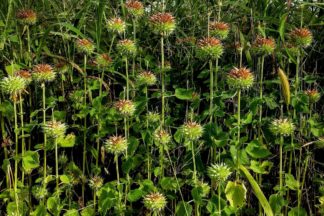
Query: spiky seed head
{"type": "Point", "coordinates": [125, 107]}
{"type": "Point", "coordinates": [62, 67]}
{"type": "Point", "coordinates": [219, 29]}
{"type": "Point", "coordinates": [282, 127]}
{"type": "Point", "coordinates": [155, 201]}
{"type": "Point", "coordinates": [26, 16]}
{"type": "Point", "coordinates": [209, 48]}
{"type": "Point", "coordinates": [63, 159]}
{"type": "Point", "coordinates": [264, 46]}
{"type": "Point", "coordinates": [103, 60]}
{"type": "Point", "coordinates": [162, 137]}
{"type": "Point", "coordinates": [126, 47]}
{"type": "Point", "coordinates": [192, 130]}
{"type": "Point", "coordinates": [39, 192]}
{"type": "Point", "coordinates": [163, 23]}
{"type": "Point", "coordinates": [301, 37]}
{"type": "Point", "coordinates": [146, 78]}
{"type": "Point", "coordinates": [135, 8]}
{"type": "Point", "coordinates": [153, 117]}
{"type": "Point", "coordinates": [116, 25]}
{"type": "Point", "coordinates": [55, 129]}
{"type": "Point", "coordinates": [240, 78]}
{"type": "Point", "coordinates": [25, 74]}
{"type": "Point", "coordinates": [205, 188]}
{"type": "Point", "coordinates": [85, 46]}
{"type": "Point", "coordinates": [116, 145]}
{"type": "Point", "coordinates": [219, 172]}
{"type": "Point", "coordinates": [293, 50]}
{"type": "Point", "coordinates": [191, 41]}
{"type": "Point", "coordinates": [43, 73]}
{"type": "Point", "coordinates": [96, 182]}
{"type": "Point", "coordinates": [313, 95]}
{"type": "Point", "coordinates": [13, 85]}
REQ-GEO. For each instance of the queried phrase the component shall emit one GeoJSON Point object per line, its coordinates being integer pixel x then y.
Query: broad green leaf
{"type": "Point", "coordinates": [71, 212]}
{"type": "Point", "coordinates": [135, 195]}
{"type": "Point", "coordinates": [197, 194]}
{"type": "Point", "coordinates": [65, 179]}
{"type": "Point", "coordinates": [184, 94]}
{"type": "Point", "coordinates": [183, 209]}
{"type": "Point", "coordinates": [261, 168]}
{"type": "Point", "coordinates": [297, 211]}
{"type": "Point", "coordinates": [67, 141]}
{"type": "Point", "coordinates": [12, 68]}
{"type": "Point", "coordinates": [30, 160]}
{"type": "Point", "coordinates": [256, 150]}
{"type": "Point", "coordinates": [88, 211]}
{"type": "Point", "coordinates": [169, 183]}
{"type": "Point", "coordinates": [235, 193]}
{"type": "Point", "coordinates": [53, 206]}
{"type": "Point", "coordinates": [277, 202]}
{"type": "Point", "coordinates": [291, 182]}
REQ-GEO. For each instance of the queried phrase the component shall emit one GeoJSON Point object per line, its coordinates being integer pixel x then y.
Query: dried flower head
{"type": "Point", "coordinates": [240, 78]}
{"type": "Point", "coordinates": [26, 17]}
{"type": "Point", "coordinates": [135, 8]}
{"type": "Point", "coordinates": [192, 130]}
{"type": "Point", "coordinates": [116, 25]}
{"type": "Point", "coordinates": [116, 145]}
{"type": "Point", "coordinates": [155, 201]}
{"type": "Point", "coordinates": [209, 48]}
{"type": "Point", "coordinates": [125, 107]}
{"type": "Point", "coordinates": [219, 172]}
{"type": "Point", "coordinates": [301, 37]}
{"type": "Point", "coordinates": [264, 46]}
{"type": "Point", "coordinates": [13, 85]}
{"type": "Point", "coordinates": [55, 129]}
{"type": "Point", "coordinates": [146, 78]}
{"type": "Point", "coordinates": [282, 127]}
{"type": "Point", "coordinates": [219, 29]}
{"type": "Point", "coordinates": [126, 47]}
{"type": "Point", "coordinates": [85, 46]}
{"type": "Point", "coordinates": [163, 23]}
{"type": "Point", "coordinates": [103, 60]}
{"type": "Point", "coordinates": [162, 137]}
{"type": "Point", "coordinates": [153, 117]}
{"type": "Point", "coordinates": [62, 67]}
{"type": "Point", "coordinates": [25, 74]}
{"type": "Point", "coordinates": [43, 73]}
{"type": "Point", "coordinates": [186, 41]}
{"type": "Point", "coordinates": [313, 95]}
{"type": "Point", "coordinates": [96, 182]}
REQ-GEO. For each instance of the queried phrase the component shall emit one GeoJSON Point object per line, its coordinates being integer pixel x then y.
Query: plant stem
{"type": "Point", "coordinates": [261, 99]}
{"type": "Point", "coordinates": [84, 127]}
{"type": "Point", "coordinates": [297, 79]}
{"type": "Point", "coordinates": [45, 136]}
{"type": "Point", "coordinates": [162, 77]}
{"type": "Point", "coordinates": [219, 200]}
{"type": "Point", "coordinates": [238, 132]}
{"type": "Point", "coordinates": [211, 88]}
{"type": "Point", "coordinates": [56, 166]}
{"type": "Point", "coordinates": [22, 132]}
{"type": "Point", "coordinates": [16, 152]}
{"type": "Point", "coordinates": [194, 163]}
{"type": "Point", "coordinates": [127, 79]}
{"type": "Point", "coordinates": [280, 168]}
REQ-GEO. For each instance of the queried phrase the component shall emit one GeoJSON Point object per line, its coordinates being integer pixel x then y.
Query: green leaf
{"type": "Point", "coordinates": [256, 150]}
{"type": "Point", "coordinates": [135, 195]}
{"type": "Point", "coordinates": [65, 179]}
{"type": "Point", "coordinates": [30, 160]}
{"type": "Point", "coordinates": [261, 168]}
{"type": "Point", "coordinates": [277, 202]}
{"type": "Point", "coordinates": [235, 193]}
{"type": "Point", "coordinates": [183, 208]}
{"type": "Point", "coordinates": [169, 183]}
{"type": "Point", "coordinates": [12, 68]}
{"type": "Point", "coordinates": [183, 94]}
{"type": "Point", "coordinates": [53, 205]}
{"type": "Point", "coordinates": [88, 211]}
{"type": "Point", "coordinates": [67, 141]}
{"type": "Point", "coordinates": [283, 19]}
{"type": "Point", "coordinates": [197, 194]}
{"type": "Point", "coordinates": [107, 199]}
{"type": "Point", "coordinates": [291, 182]}
{"type": "Point", "coordinates": [297, 211]}
{"type": "Point", "coordinates": [71, 212]}
{"type": "Point", "coordinates": [39, 211]}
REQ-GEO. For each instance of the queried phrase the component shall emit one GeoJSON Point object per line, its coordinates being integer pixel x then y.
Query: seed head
{"type": "Point", "coordinates": [55, 129]}
{"type": "Point", "coordinates": [209, 48]}
{"type": "Point", "coordinates": [85, 46]}
{"type": "Point", "coordinates": [116, 25]}
{"type": "Point", "coordinates": [264, 46]}
{"type": "Point", "coordinates": [39, 192]}
{"type": "Point", "coordinates": [116, 145]}
{"type": "Point", "coordinates": [192, 130]}
{"type": "Point", "coordinates": [162, 137]}
{"type": "Point", "coordinates": [301, 37]}
{"type": "Point", "coordinates": [219, 172]}
{"type": "Point", "coordinates": [126, 47]}
{"type": "Point", "coordinates": [282, 127]}
{"type": "Point", "coordinates": [13, 85]}
{"type": "Point", "coordinates": [135, 8]}
{"type": "Point", "coordinates": [62, 67]}
{"type": "Point", "coordinates": [163, 23]}
{"type": "Point", "coordinates": [125, 107]}
{"type": "Point", "coordinates": [153, 117]}
{"type": "Point", "coordinates": [96, 182]}
{"type": "Point", "coordinates": [26, 17]}
{"type": "Point", "coordinates": [313, 95]}
{"type": "Point", "coordinates": [240, 78]}
{"type": "Point", "coordinates": [43, 73]}
{"type": "Point", "coordinates": [219, 29]}
{"type": "Point", "coordinates": [25, 74]}
{"type": "Point", "coordinates": [103, 60]}
{"type": "Point", "coordinates": [155, 201]}
{"type": "Point", "coordinates": [146, 78]}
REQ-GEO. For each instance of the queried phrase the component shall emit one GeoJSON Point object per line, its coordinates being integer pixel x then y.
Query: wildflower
{"type": "Point", "coordinates": [125, 107]}
{"type": "Point", "coordinates": [301, 37]}
{"type": "Point", "coordinates": [209, 47]}
{"type": "Point", "coordinates": [135, 8]}
{"type": "Point", "coordinates": [25, 74]}
{"type": "Point", "coordinates": [313, 95]}
{"type": "Point", "coordinates": [13, 85]}
{"type": "Point", "coordinates": [155, 201]}
{"type": "Point", "coordinates": [96, 182]}
{"type": "Point", "coordinates": [26, 17]}
{"type": "Point", "coordinates": [153, 117]}
{"type": "Point", "coordinates": [219, 172]}
{"type": "Point", "coordinates": [85, 46]}
{"type": "Point", "coordinates": [162, 136]}
{"type": "Point", "coordinates": [192, 130]}
{"type": "Point", "coordinates": [282, 127]}
{"type": "Point", "coordinates": [219, 29]}
{"type": "Point", "coordinates": [264, 46]}
{"type": "Point", "coordinates": [146, 78]}
{"type": "Point", "coordinates": [116, 25]}
{"type": "Point", "coordinates": [126, 47]}
{"type": "Point", "coordinates": [163, 23]}
{"type": "Point", "coordinates": [240, 78]}
{"type": "Point", "coordinates": [116, 145]}
{"type": "Point", "coordinates": [103, 60]}
{"type": "Point", "coordinates": [43, 73]}
{"type": "Point", "coordinates": [55, 129]}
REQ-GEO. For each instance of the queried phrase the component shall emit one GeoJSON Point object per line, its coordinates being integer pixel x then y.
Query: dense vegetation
{"type": "Point", "coordinates": [168, 107]}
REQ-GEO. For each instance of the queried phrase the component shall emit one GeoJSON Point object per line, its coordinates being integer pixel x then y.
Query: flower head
{"type": "Point", "coordinates": [155, 201]}
{"type": "Point", "coordinates": [26, 17]}
{"type": "Point", "coordinates": [219, 29]}
{"type": "Point", "coordinates": [209, 48]}
{"type": "Point", "coordinates": [135, 8]}
{"type": "Point", "coordinates": [126, 47]}
{"type": "Point", "coordinates": [25, 74]}
{"type": "Point", "coordinates": [13, 85]}
{"type": "Point", "coordinates": [125, 107]}
{"type": "Point", "coordinates": [116, 25]}
{"type": "Point", "coordinates": [153, 117]}
{"type": "Point", "coordinates": [55, 129]}
{"type": "Point", "coordinates": [301, 37]}
{"type": "Point", "coordinates": [219, 172]}
{"type": "Point", "coordinates": [103, 60]}
{"type": "Point", "coordinates": [162, 137]}
{"type": "Point", "coordinates": [240, 78]}
{"type": "Point", "coordinates": [43, 73]}
{"type": "Point", "coordinates": [146, 78]}
{"type": "Point", "coordinates": [116, 145]}
{"type": "Point", "coordinates": [313, 95]}
{"type": "Point", "coordinates": [264, 46]}
{"type": "Point", "coordinates": [192, 130]}
{"type": "Point", "coordinates": [96, 182]}
{"type": "Point", "coordinates": [282, 127]}
{"type": "Point", "coordinates": [163, 23]}
{"type": "Point", "coordinates": [85, 46]}
{"type": "Point", "coordinates": [62, 67]}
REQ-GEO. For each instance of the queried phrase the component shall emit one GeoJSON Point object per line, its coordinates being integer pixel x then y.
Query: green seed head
{"type": "Point", "coordinates": [26, 17]}
{"type": "Point", "coordinates": [13, 85]}
{"type": "Point", "coordinates": [146, 78]}
{"type": "Point", "coordinates": [162, 136]}
{"type": "Point", "coordinates": [313, 95]}
{"type": "Point", "coordinates": [153, 117]}
{"type": "Point", "coordinates": [116, 25]}
{"type": "Point", "coordinates": [39, 192]}
{"type": "Point", "coordinates": [264, 46]}
{"type": "Point", "coordinates": [163, 23]}
{"type": "Point", "coordinates": [192, 130]}
{"type": "Point", "coordinates": [126, 47]}
{"type": "Point", "coordinates": [219, 29]}
{"type": "Point", "coordinates": [125, 107]}
{"type": "Point", "coordinates": [209, 48]}
{"type": "Point", "coordinates": [43, 73]}
{"type": "Point", "coordinates": [55, 129]}
{"type": "Point", "coordinates": [62, 67]}
{"type": "Point", "coordinates": [155, 201]}
{"type": "Point", "coordinates": [240, 78]}
{"type": "Point", "coordinates": [282, 127]}
{"type": "Point", "coordinates": [85, 46]}
{"type": "Point", "coordinates": [135, 8]}
{"type": "Point", "coordinates": [116, 145]}
{"type": "Point", "coordinates": [219, 172]}
{"type": "Point", "coordinates": [96, 182]}
{"type": "Point", "coordinates": [301, 37]}
{"type": "Point", "coordinates": [103, 60]}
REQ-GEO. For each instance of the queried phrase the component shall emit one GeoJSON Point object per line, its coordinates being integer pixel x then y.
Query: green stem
{"type": "Point", "coordinates": [261, 99]}
{"type": "Point", "coordinates": [280, 168]}
{"type": "Point", "coordinates": [211, 88]}
{"type": "Point", "coordinates": [238, 132]}
{"type": "Point", "coordinates": [16, 153]}
{"type": "Point", "coordinates": [111, 44]}
{"type": "Point", "coordinates": [45, 136]}
{"type": "Point", "coordinates": [219, 200]}
{"type": "Point", "coordinates": [23, 146]}
{"type": "Point", "coordinates": [297, 79]}
{"type": "Point", "coordinates": [194, 163]}
{"type": "Point", "coordinates": [56, 166]}
{"type": "Point", "coordinates": [127, 79]}
{"type": "Point", "coordinates": [84, 128]}
{"type": "Point", "coordinates": [162, 77]}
